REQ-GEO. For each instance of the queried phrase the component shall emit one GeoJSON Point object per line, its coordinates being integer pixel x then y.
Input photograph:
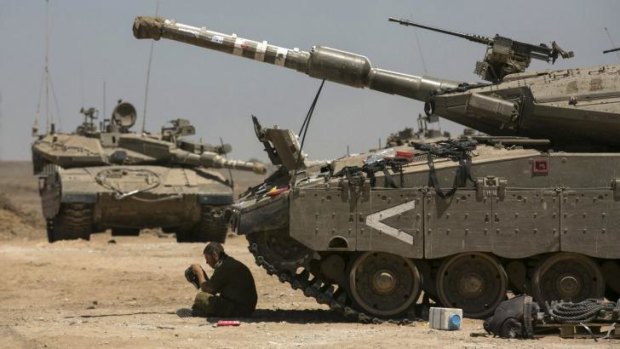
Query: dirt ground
{"type": "Point", "coordinates": [130, 292]}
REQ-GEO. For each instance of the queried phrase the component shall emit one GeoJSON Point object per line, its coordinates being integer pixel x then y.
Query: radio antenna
{"type": "Point", "coordinates": [148, 76]}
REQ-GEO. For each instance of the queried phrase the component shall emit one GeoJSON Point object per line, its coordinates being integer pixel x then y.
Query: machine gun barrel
{"type": "Point", "coordinates": [612, 50]}
{"type": "Point", "coordinates": [320, 62]}
{"type": "Point", "coordinates": [504, 56]}
{"type": "Point", "coordinates": [214, 160]}
{"type": "Point", "coordinates": [541, 52]}
{"type": "Point", "coordinates": [471, 37]}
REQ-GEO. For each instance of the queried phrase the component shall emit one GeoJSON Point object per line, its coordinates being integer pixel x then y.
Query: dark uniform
{"type": "Point", "coordinates": [234, 291]}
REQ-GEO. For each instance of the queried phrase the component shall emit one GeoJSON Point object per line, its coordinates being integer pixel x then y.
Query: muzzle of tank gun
{"type": "Point", "coordinates": [259, 168]}
{"type": "Point", "coordinates": [209, 159]}
{"type": "Point", "coordinates": [321, 62]}
{"type": "Point", "coordinates": [148, 27]}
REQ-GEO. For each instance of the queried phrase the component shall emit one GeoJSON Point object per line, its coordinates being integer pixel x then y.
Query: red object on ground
{"type": "Point", "coordinates": [228, 323]}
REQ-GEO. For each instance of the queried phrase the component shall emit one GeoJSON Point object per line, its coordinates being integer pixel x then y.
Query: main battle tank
{"type": "Point", "coordinates": [110, 178]}
{"type": "Point", "coordinates": [532, 207]}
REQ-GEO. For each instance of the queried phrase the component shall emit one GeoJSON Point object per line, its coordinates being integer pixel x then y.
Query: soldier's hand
{"type": "Point", "coordinates": [200, 273]}
{"type": "Point", "coordinates": [197, 269]}
{"type": "Point", "coordinates": [192, 277]}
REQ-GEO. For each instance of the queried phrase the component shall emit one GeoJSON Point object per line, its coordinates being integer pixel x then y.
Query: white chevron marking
{"type": "Point", "coordinates": [374, 221]}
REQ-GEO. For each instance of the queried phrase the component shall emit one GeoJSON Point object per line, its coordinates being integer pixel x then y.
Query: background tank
{"type": "Point", "coordinates": [532, 207]}
{"type": "Point", "coordinates": [107, 177]}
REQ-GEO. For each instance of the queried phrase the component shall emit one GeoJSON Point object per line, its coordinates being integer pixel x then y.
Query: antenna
{"type": "Point", "coordinates": [37, 117]}
{"type": "Point", "coordinates": [82, 82]}
{"type": "Point", "coordinates": [148, 75]}
{"type": "Point", "coordinates": [47, 80]}
{"type": "Point", "coordinates": [104, 113]}
{"type": "Point", "coordinates": [47, 71]}
{"type": "Point", "coordinates": [51, 83]}
{"type": "Point", "coordinates": [417, 40]}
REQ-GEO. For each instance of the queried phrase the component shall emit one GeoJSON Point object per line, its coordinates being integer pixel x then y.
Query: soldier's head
{"type": "Point", "coordinates": [213, 252]}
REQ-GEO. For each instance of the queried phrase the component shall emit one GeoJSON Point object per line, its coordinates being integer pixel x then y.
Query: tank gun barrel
{"type": "Point", "coordinates": [320, 62]}
{"type": "Point", "coordinates": [612, 50]}
{"type": "Point", "coordinates": [214, 160]}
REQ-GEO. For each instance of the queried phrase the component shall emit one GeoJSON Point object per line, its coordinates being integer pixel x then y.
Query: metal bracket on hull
{"type": "Point", "coordinates": [491, 187]}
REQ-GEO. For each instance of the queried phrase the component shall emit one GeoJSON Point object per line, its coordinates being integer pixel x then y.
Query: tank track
{"type": "Point", "coordinates": [317, 288]}
{"type": "Point", "coordinates": [74, 221]}
{"type": "Point", "coordinates": [214, 223]}
{"type": "Point", "coordinates": [213, 226]}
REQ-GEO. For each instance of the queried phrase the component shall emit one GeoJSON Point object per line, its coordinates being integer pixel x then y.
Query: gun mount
{"type": "Point", "coordinates": [575, 109]}
{"type": "Point", "coordinates": [178, 128]}
{"type": "Point", "coordinates": [88, 126]}
{"type": "Point", "coordinates": [504, 56]}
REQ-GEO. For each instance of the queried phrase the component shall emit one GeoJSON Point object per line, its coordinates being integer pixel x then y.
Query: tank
{"type": "Point", "coordinates": [532, 206]}
{"type": "Point", "coordinates": [107, 177]}
{"type": "Point", "coordinates": [423, 135]}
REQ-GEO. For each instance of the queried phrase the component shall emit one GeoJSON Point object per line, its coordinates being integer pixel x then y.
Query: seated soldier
{"type": "Point", "coordinates": [230, 292]}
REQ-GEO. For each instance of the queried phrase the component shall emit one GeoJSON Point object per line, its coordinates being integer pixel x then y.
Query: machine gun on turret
{"type": "Point", "coordinates": [88, 126]}
{"type": "Point", "coordinates": [504, 56]}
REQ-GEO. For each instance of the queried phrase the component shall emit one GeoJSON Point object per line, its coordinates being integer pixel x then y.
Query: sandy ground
{"type": "Point", "coordinates": [128, 292]}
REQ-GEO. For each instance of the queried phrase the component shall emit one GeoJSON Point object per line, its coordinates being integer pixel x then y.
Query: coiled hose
{"type": "Point", "coordinates": [585, 311]}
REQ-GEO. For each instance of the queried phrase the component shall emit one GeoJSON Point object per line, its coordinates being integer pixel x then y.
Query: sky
{"type": "Point", "coordinates": [91, 45]}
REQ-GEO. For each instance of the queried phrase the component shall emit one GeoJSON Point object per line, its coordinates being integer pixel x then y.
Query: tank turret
{"type": "Point", "coordinates": [571, 108]}
{"type": "Point", "coordinates": [114, 144]}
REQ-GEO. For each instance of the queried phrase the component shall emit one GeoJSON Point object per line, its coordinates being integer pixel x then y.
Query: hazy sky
{"type": "Point", "coordinates": [91, 42]}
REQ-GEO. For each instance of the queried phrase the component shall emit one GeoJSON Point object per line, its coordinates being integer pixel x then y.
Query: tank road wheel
{"type": "Point", "coordinates": [213, 226]}
{"type": "Point", "coordinates": [384, 284]}
{"type": "Point", "coordinates": [474, 281]}
{"type": "Point", "coordinates": [567, 276]}
{"type": "Point", "coordinates": [73, 221]}
{"type": "Point", "coordinates": [280, 250]}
